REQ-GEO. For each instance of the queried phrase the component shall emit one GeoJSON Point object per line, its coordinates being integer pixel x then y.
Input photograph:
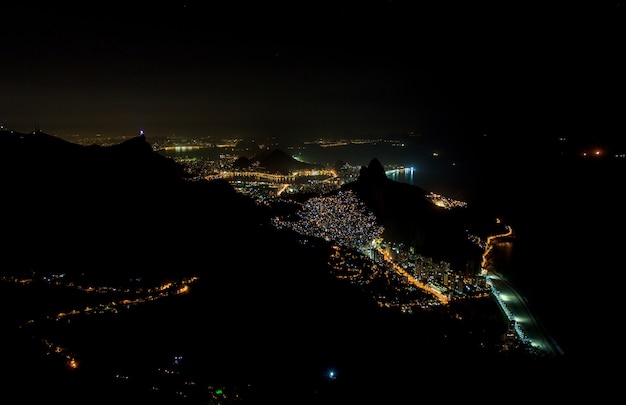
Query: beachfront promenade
{"type": "Point", "coordinates": [514, 305]}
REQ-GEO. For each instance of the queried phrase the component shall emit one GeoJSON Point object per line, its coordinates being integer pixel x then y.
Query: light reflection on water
{"type": "Point", "coordinates": [502, 257]}
{"type": "Point", "coordinates": [406, 175]}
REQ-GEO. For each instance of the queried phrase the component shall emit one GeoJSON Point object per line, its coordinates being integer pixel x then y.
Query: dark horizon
{"type": "Point", "coordinates": [322, 69]}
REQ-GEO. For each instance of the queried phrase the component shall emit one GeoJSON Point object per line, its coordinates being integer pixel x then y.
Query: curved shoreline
{"type": "Point", "coordinates": [527, 326]}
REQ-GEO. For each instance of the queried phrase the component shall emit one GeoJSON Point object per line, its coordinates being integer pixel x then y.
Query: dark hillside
{"type": "Point", "coordinates": [108, 208]}
{"type": "Point", "coordinates": [273, 161]}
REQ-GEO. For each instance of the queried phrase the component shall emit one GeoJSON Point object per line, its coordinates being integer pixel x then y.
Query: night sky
{"type": "Point", "coordinates": [314, 69]}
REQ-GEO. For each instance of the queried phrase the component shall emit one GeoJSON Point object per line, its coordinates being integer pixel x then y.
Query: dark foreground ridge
{"type": "Point", "coordinates": [265, 321]}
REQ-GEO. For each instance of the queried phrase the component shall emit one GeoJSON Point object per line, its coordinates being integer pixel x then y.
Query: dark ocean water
{"type": "Point", "coordinates": [565, 258]}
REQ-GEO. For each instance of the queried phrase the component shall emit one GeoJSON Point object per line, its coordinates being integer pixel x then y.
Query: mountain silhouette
{"type": "Point", "coordinates": [274, 161]}
{"type": "Point", "coordinates": [69, 203]}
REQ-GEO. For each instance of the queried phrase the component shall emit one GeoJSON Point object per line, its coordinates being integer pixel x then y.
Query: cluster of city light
{"type": "Point", "coordinates": [183, 148]}
{"type": "Point", "coordinates": [331, 143]}
{"type": "Point", "coordinates": [388, 283]}
{"type": "Point", "coordinates": [341, 218]}
{"type": "Point", "coordinates": [414, 281]}
{"type": "Point", "coordinates": [445, 202]}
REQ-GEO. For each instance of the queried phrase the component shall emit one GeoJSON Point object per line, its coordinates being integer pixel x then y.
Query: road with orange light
{"type": "Point", "coordinates": [426, 287]}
